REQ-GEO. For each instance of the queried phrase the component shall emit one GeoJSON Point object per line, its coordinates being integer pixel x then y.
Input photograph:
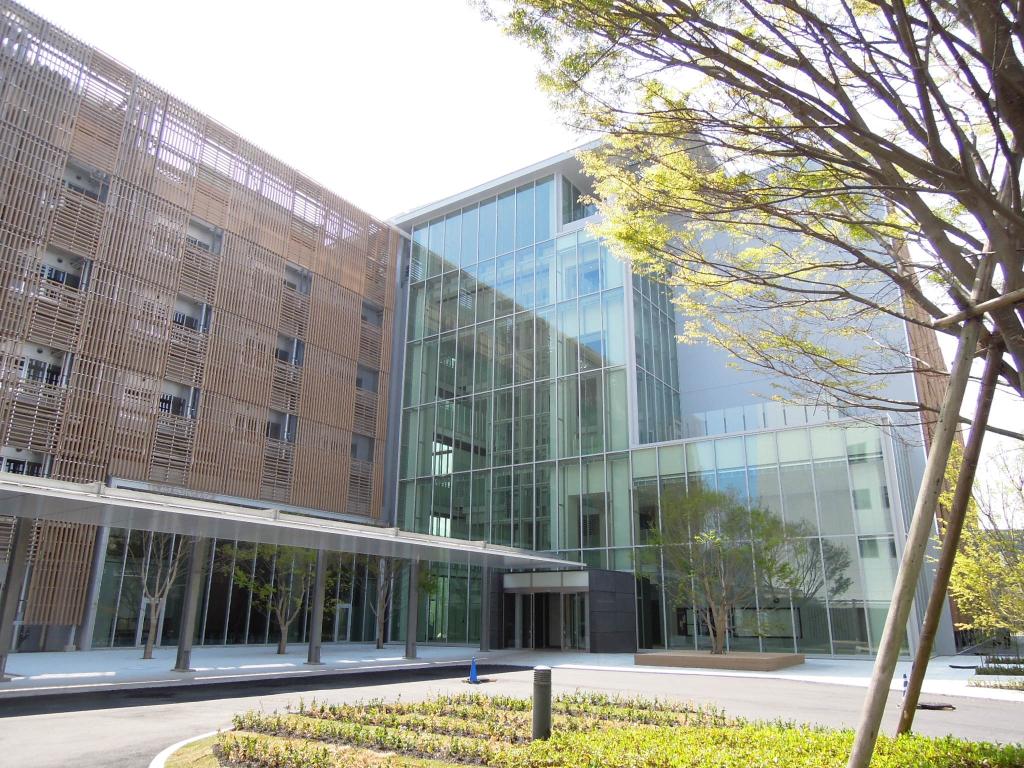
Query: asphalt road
{"type": "Point", "coordinates": [126, 729]}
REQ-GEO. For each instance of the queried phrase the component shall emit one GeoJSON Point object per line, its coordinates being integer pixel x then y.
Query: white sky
{"type": "Point", "coordinates": [390, 104]}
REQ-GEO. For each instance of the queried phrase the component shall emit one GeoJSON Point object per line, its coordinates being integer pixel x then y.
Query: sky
{"type": "Point", "coordinates": [391, 105]}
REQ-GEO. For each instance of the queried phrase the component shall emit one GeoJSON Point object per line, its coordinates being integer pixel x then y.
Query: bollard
{"type": "Point", "coordinates": [541, 702]}
{"type": "Point", "coordinates": [472, 671]}
{"type": "Point", "coordinates": [904, 685]}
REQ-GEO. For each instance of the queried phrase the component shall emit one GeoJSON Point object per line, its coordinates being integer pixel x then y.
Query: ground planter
{"type": "Point", "coordinates": [739, 660]}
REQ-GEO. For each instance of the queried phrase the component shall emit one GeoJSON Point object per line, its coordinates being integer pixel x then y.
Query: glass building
{"type": "Point", "coordinates": [547, 405]}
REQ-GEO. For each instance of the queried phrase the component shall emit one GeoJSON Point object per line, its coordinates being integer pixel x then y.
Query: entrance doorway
{"type": "Point", "coordinates": [546, 621]}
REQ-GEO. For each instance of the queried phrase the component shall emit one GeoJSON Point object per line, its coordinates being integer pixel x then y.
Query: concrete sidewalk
{"type": "Point", "coordinates": [123, 669]}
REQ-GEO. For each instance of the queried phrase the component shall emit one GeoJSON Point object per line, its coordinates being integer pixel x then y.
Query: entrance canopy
{"type": "Point", "coordinates": [99, 504]}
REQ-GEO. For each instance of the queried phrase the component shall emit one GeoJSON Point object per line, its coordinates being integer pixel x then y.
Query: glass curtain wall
{"type": "Point", "coordinates": [657, 372]}
{"type": "Point", "coordinates": [227, 613]}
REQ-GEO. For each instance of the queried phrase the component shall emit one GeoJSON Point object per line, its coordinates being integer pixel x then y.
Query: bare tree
{"type": "Point", "coordinates": [165, 553]}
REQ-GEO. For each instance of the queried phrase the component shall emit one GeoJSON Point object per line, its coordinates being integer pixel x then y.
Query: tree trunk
{"type": "Point", "coordinates": [154, 616]}
{"type": "Point", "coordinates": [951, 538]}
{"type": "Point", "coordinates": [282, 642]}
{"type": "Point", "coordinates": [718, 630]}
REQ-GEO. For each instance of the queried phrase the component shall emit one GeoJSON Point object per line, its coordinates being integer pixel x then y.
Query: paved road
{"type": "Point", "coordinates": [126, 729]}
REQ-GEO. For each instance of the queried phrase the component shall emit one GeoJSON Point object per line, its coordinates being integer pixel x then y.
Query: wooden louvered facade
{"type": "Point", "coordinates": [176, 306]}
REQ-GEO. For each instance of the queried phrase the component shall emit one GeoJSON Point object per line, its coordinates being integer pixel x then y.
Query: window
{"type": "Point", "coordinates": [282, 426]}
{"type": "Point", "coordinates": [186, 321]}
{"type": "Point", "coordinates": [22, 467]}
{"type": "Point", "coordinates": [296, 278]}
{"type": "Point", "coordinates": [362, 447]}
{"type": "Point", "coordinates": [38, 370]}
{"type": "Point", "coordinates": [366, 379]}
{"type": "Point", "coordinates": [55, 275]}
{"type": "Point", "coordinates": [572, 208]}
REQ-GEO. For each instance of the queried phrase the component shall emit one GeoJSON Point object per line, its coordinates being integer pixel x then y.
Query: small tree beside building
{"type": "Point", "coordinates": [165, 556]}
{"type": "Point", "coordinates": [724, 554]}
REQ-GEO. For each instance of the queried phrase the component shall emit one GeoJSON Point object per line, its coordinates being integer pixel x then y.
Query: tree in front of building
{"type": "Point", "coordinates": [388, 573]}
{"type": "Point", "coordinates": [164, 556]}
{"type": "Point", "coordinates": [723, 555]}
{"type": "Point", "coordinates": [281, 581]}
{"type": "Point", "coordinates": [987, 582]}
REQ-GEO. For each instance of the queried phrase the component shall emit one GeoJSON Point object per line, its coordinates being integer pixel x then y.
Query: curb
{"type": "Point", "coordinates": [161, 759]}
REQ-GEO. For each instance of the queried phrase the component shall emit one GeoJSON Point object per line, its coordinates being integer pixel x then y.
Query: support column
{"type": "Point", "coordinates": [190, 605]}
{"type": "Point", "coordinates": [92, 597]}
{"type": "Point", "coordinates": [317, 619]}
{"type": "Point", "coordinates": [16, 567]}
{"type": "Point", "coordinates": [485, 610]}
{"type": "Point", "coordinates": [412, 609]}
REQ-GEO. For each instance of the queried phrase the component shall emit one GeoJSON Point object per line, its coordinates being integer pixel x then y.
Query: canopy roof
{"type": "Point", "coordinates": [99, 504]}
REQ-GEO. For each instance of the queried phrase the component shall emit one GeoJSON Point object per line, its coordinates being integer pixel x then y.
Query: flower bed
{"type": "Point", "coordinates": [589, 731]}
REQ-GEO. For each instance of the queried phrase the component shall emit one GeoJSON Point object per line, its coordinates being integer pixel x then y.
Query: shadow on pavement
{"type": "Point", "coordinates": [172, 694]}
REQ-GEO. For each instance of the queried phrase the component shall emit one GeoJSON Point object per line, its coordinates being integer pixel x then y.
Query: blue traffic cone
{"type": "Point", "coordinates": [472, 672]}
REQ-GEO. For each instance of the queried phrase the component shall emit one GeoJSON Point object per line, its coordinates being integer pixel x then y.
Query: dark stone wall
{"type": "Point", "coordinates": [612, 612]}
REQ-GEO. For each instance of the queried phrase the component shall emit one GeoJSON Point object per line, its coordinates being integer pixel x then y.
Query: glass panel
{"type": "Point", "coordinates": [435, 244]}
{"type": "Point", "coordinates": [591, 413]}
{"type": "Point", "coordinates": [569, 505]}
{"type": "Point", "coordinates": [870, 496]}
{"type": "Point", "coordinates": [761, 450]}
{"type": "Point", "coordinates": [485, 298]}
{"type": "Point", "coordinates": [505, 284]}
{"type": "Point", "coordinates": [482, 446]}
{"type": "Point", "coordinates": [418, 255]}
{"type": "Point", "coordinates": [809, 613]}
{"type": "Point", "coordinates": [410, 438]}
{"type": "Point", "coordinates": [483, 339]}
{"type": "Point", "coordinates": [446, 367]}
{"type": "Point", "coordinates": [545, 273]}
{"type": "Point", "coordinates": [568, 417]}
{"type": "Point", "coordinates": [503, 403]}
{"type": "Point", "coordinates": [568, 329]}
{"type": "Point", "coordinates": [833, 488]}
{"type": "Point", "coordinates": [670, 460]}
{"type": "Point", "coordinates": [469, 236]}
{"type": "Point", "coordinates": [544, 434]}
{"type": "Point", "coordinates": [619, 533]}
{"type": "Point", "coordinates": [729, 453]}
{"type": "Point", "coordinates": [467, 299]}
{"type": "Point", "coordinates": [440, 511]}
{"type": "Point", "coordinates": [522, 530]}
{"type": "Point", "coordinates": [764, 489]}
{"type": "Point", "coordinates": [432, 307]}
{"type": "Point", "coordinates": [793, 445]}
{"type": "Point", "coordinates": [463, 434]}
{"type": "Point", "coordinates": [523, 433]}
{"type": "Point", "coordinates": [524, 346]}
{"type": "Point", "coordinates": [524, 216]}
{"type": "Point", "coordinates": [592, 346]}
{"type": "Point", "coordinates": [545, 504]}
{"type": "Point", "coordinates": [567, 288]}
{"type": "Point", "coordinates": [618, 413]}
{"type": "Point", "coordinates": [416, 303]}
{"type": "Point", "coordinates": [543, 208]}
{"type": "Point", "coordinates": [452, 240]}
{"type": "Point", "coordinates": [828, 443]}
{"type": "Point", "coordinates": [487, 229]}
{"type": "Point", "coordinates": [503, 359]}
{"type": "Point", "coordinates": [506, 222]}
{"type": "Point", "coordinates": [615, 328]}
{"type": "Point", "coordinates": [594, 504]}
{"type": "Point", "coordinates": [845, 586]}
{"type": "Point", "coordinates": [429, 380]}
{"type": "Point", "coordinates": [645, 463]}
{"type": "Point", "coordinates": [614, 269]}
{"type": "Point", "coordinates": [700, 456]}
{"type": "Point", "coordinates": [590, 266]}
{"type": "Point", "coordinates": [544, 343]}
{"type": "Point", "coordinates": [798, 497]}
{"type": "Point", "coordinates": [501, 507]}
{"type": "Point", "coordinates": [479, 517]}
{"type": "Point", "coordinates": [524, 278]}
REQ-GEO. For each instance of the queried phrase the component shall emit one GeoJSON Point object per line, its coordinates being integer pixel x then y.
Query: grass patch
{"type": "Point", "coordinates": [1006, 685]}
{"type": "Point", "coordinates": [590, 731]}
{"type": "Point", "coordinates": [198, 754]}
